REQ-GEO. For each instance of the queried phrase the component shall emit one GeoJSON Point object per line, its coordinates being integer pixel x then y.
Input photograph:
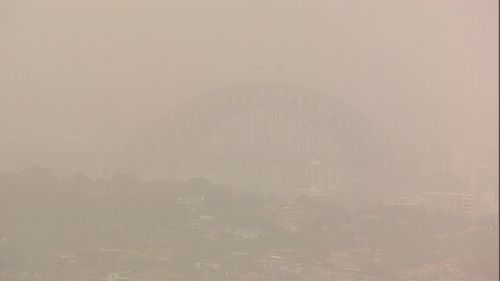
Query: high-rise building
{"type": "Point", "coordinates": [465, 162]}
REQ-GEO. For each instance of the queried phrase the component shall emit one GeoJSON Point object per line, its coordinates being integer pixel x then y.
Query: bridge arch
{"type": "Point", "coordinates": [175, 136]}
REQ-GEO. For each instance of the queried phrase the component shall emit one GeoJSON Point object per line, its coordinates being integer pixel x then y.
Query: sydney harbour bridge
{"type": "Point", "coordinates": [263, 127]}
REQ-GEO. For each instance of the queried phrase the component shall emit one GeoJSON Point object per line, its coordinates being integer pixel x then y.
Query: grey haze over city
{"type": "Point", "coordinates": [248, 140]}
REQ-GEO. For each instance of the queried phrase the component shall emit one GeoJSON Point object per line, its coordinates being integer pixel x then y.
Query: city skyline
{"type": "Point", "coordinates": [262, 140]}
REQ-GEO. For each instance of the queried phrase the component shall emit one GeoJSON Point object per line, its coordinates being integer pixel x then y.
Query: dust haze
{"type": "Point", "coordinates": [248, 140]}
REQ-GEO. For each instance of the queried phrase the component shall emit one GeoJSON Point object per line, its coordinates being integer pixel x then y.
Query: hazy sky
{"type": "Point", "coordinates": [426, 70]}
